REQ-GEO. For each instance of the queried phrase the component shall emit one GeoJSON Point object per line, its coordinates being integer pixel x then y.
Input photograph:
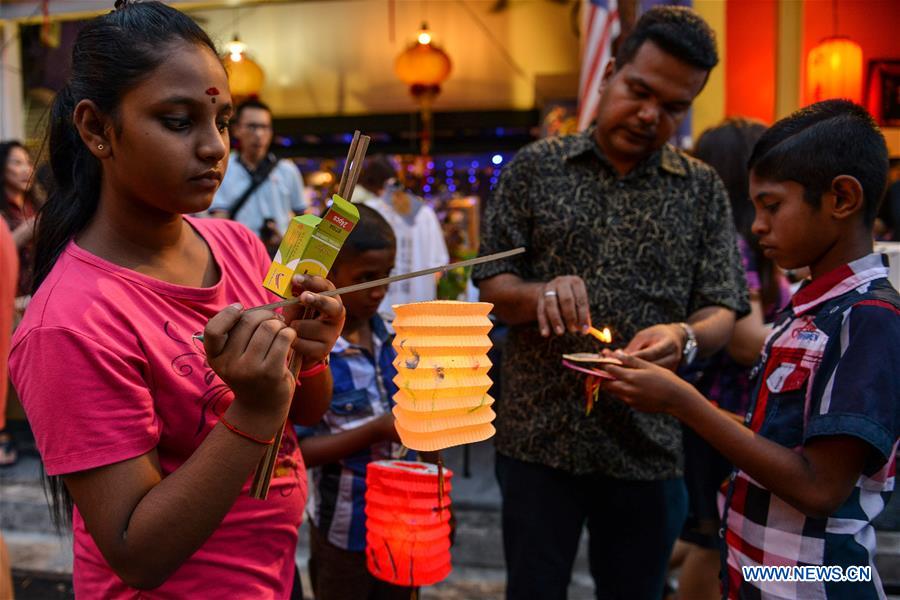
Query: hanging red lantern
{"type": "Point", "coordinates": [245, 77]}
{"type": "Point", "coordinates": [423, 66]}
{"type": "Point", "coordinates": [407, 522]}
{"type": "Point", "coordinates": [423, 63]}
{"type": "Point", "coordinates": [834, 70]}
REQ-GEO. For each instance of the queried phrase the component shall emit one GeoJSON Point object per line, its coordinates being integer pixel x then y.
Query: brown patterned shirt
{"type": "Point", "coordinates": [652, 247]}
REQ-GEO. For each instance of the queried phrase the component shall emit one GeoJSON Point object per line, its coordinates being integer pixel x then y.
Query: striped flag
{"type": "Point", "coordinates": [599, 27]}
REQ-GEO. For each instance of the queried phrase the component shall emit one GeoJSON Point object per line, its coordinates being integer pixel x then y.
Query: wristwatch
{"type": "Point", "coordinates": [689, 352]}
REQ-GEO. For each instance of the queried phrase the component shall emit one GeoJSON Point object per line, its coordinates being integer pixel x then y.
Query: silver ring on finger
{"type": "Point", "coordinates": [550, 293]}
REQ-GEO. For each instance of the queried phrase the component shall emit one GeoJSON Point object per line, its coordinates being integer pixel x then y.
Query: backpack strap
{"type": "Point", "coordinates": [257, 177]}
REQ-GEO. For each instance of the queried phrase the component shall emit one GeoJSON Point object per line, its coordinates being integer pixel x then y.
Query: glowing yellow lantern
{"type": "Point", "coordinates": [423, 64]}
{"type": "Point", "coordinates": [834, 70]}
{"type": "Point", "coordinates": [245, 77]}
{"type": "Point", "coordinates": [442, 374]}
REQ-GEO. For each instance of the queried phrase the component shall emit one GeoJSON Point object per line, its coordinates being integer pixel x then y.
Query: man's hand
{"type": "Point", "coordinates": [659, 344]}
{"type": "Point", "coordinates": [562, 304]}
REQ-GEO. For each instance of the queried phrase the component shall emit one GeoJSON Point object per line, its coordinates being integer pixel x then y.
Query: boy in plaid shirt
{"type": "Point", "coordinates": [358, 427]}
{"type": "Point", "coordinates": [815, 461]}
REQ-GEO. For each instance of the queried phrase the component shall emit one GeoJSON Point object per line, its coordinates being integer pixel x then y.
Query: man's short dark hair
{"type": "Point", "coordinates": [677, 30]}
{"type": "Point", "coordinates": [250, 103]}
{"type": "Point", "coordinates": [817, 143]}
{"type": "Point", "coordinates": [372, 232]}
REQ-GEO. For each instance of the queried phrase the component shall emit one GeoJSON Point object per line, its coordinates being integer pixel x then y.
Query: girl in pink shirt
{"type": "Point", "coordinates": [153, 434]}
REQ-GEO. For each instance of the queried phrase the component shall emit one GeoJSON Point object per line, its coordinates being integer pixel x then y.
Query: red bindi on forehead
{"type": "Point", "coordinates": [213, 91]}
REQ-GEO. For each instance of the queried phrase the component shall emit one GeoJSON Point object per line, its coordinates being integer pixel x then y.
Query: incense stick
{"type": "Point", "coordinates": [350, 156]}
{"type": "Point", "coordinates": [357, 166]}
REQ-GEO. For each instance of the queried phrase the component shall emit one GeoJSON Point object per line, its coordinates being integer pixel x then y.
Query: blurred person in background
{"type": "Point", "coordinates": [887, 225]}
{"type": "Point", "coordinates": [258, 190]}
{"type": "Point", "coordinates": [18, 208]}
{"type": "Point", "coordinates": [9, 269]}
{"type": "Point", "coordinates": [420, 239]}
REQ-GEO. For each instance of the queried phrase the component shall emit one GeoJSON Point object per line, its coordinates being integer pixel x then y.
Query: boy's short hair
{"type": "Point", "coordinates": [817, 143]}
{"type": "Point", "coordinates": [371, 233]}
{"type": "Point", "coordinates": [678, 30]}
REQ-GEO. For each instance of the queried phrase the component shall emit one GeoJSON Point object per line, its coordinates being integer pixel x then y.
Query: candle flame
{"type": "Point", "coordinates": [604, 336]}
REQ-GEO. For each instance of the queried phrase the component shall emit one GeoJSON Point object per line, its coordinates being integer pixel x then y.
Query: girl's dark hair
{"type": "Point", "coordinates": [6, 149]}
{"type": "Point", "coordinates": [112, 54]}
{"type": "Point", "coordinates": [727, 148]}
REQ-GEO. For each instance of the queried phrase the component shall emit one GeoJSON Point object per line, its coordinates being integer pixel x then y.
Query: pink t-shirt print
{"type": "Point", "coordinates": [107, 370]}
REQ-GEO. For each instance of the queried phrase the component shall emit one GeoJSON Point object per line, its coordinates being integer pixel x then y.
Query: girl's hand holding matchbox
{"type": "Point", "coordinates": [317, 334]}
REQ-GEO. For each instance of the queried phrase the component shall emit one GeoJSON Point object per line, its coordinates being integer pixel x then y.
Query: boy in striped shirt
{"type": "Point", "coordinates": [815, 462]}
{"type": "Point", "coordinates": [358, 427]}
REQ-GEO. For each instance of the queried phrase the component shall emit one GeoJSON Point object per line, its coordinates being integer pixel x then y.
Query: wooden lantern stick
{"type": "Point", "coordinates": [393, 278]}
{"type": "Point", "coordinates": [259, 489]}
{"type": "Point", "coordinates": [440, 466]}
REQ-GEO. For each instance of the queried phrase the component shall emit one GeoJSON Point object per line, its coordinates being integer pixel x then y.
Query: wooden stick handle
{"type": "Point", "coordinates": [259, 489]}
{"type": "Point", "coordinates": [387, 280]}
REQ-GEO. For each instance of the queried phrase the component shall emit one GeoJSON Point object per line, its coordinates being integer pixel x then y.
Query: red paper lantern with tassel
{"type": "Point", "coordinates": [407, 522]}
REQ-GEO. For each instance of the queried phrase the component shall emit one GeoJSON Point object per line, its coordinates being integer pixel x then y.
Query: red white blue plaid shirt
{"type": "Point", "coordinates": [831, 366]}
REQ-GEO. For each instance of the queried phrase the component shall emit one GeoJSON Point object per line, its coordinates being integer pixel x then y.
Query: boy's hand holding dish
{"type": "Point", "coordinates": [646, 386]}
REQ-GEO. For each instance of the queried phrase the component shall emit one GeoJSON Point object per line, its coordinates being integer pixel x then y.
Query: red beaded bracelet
{"type": "Point", "coordinates": [314, 370]}
{"type": "Point", "coordinates": [244, 434]}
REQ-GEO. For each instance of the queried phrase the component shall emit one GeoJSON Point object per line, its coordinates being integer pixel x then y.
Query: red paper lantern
{"type": "Point", "coordinates": [834, 70]}
{"type": "Point", "coordinates": [407, 522]}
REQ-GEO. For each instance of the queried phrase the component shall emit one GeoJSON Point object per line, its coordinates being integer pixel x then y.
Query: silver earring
{"type": "Point", "coordinates": [99, 146]}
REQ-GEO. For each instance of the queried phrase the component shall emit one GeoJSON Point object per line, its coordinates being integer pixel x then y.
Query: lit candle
{"type": "Point", "coordinates": [604, 336]}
